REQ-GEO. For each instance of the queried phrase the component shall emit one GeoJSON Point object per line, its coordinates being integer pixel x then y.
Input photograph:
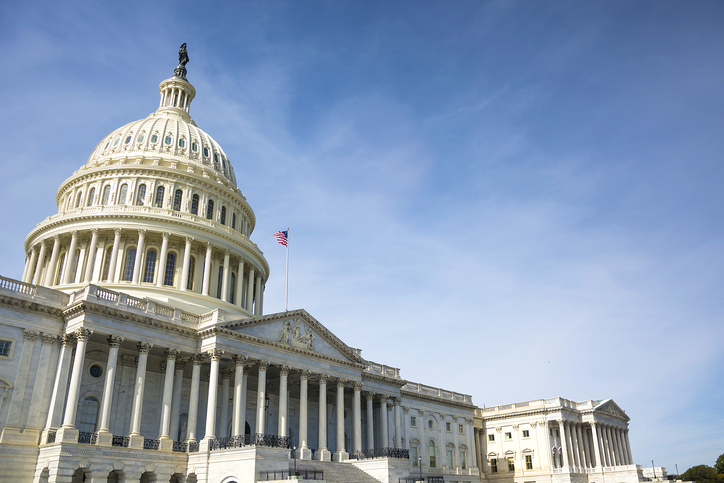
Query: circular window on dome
{"type": "Point", "coordinates": [154, 138]}
{"type": "Point", "coordinates": [115, 143]}
{"type": "Point", "coordinates": [96, 371]}
{"type": "Point", "coordinates": [194, 147]}
{"type": "Point", "coordinates": [182, 143]}
{"type": "Point", "coordinates": [206, 152]}
{"type": "Point", "coordinates": [139, 139]}
{"type": "Point", "coordinates": [128, 139]}
{"type": "Point", "coordinates": [168, 140]}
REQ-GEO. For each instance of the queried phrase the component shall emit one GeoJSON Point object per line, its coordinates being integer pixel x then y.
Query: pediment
{"type": "Point", "coordinates": [296, 331]}
{"type": "Point", "coordinates": [610, 408]}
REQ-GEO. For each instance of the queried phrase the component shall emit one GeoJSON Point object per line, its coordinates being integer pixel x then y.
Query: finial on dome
{"type": "Point", "coordinates": [183, 59]}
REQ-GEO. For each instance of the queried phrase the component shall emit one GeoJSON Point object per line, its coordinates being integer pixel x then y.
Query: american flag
{"type": "Point", "coordinates": [281, 237]}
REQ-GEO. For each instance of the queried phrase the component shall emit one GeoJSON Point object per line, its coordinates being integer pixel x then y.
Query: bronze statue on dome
{"type": "Point", "coordinates": [183, 59]}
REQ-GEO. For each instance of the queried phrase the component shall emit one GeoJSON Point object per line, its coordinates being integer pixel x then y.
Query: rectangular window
{"type": "Point", "coordinates": [494, 465]}
{"type": "Point", "coordinates": [413, 456]}
{"type": "Point", "coordinates": [491, 437]}
{"type": "Point", "coordinates": [462, 460]}
{"type": "Point", "coordinates": [461, 429]}
{"type": "Point", "coordinates": [447, 426]}
{"type": "Point", "coordinates": [450, 462]}
{"type": "Point", "coordinates": [511, 463]}
{"type": "Point", "coordinates": [5, 348]}
{"type": "Point", "coordinates": [528, 462]}
{"type": "Point", "coordinates": [526, 433]}
{"type": "Point", "coordinates": [508, 436]}
{"type": "Point", "coordinates": [413, 421]}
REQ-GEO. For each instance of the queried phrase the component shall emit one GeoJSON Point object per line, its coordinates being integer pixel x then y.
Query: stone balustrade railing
{"type": "Point", "coordinates": [383, 370]}
{"type": "Point", "coordinates": [16, 286]}
{"type": "Point", "coordinates": [437, 392]}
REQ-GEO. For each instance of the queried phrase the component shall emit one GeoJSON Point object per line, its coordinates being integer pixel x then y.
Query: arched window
{"type": "Point", "coordinates": [190, 282]}
{"type": "Point", "coordinates": [232, 289]}
{"type": "Point", "coordinates": [141, 195]}
{"type": "Point", "coordinates": [123, 194]}
{"type": "Point", "coordinates": [106, 266]}
{"type": "Point", "coordinates": [223, 215]}
{"type": "Point", "coordinates": [233, 221]}
{"type": "Point", "coordinates": [170, 269]}
{"type": "Point", "coordinates": [218, 285]}
{"type": "Point", "coordinates": [150, 266]}
{"type": "Point", "coordinates": [210, 210]}
{"type": "Point", "coordinates": [91, 195]}
{"type": "Point", "coordinates": [106, 194]}
{"type": "Point", "coordinates": [88, 415]}
{"type": "Point", "coordinates": [74, 265]}
{"type": "Point", "coordinates": [79, 199]}
{"type": "Point", "coordinates": [195, 205]}
{"type": "Point", "coordinates": [128, 266]}
{"type": "Point", "coordinates": [432, 453]}
{"type": "Point", "coordinates": [159, 197]}
{"type": "Point", "coordinates": [61, 265]}
{"type": "Point", "coordinates": [178, 195]}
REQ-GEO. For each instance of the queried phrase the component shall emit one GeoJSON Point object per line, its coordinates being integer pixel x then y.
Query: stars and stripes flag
{"type": "Point", "coordinates": [282, 237]}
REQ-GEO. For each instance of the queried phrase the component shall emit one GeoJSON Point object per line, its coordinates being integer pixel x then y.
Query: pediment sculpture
{"type": "Point", "coordinates": [298, 336]}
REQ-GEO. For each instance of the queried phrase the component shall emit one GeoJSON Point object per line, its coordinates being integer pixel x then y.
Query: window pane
{"type": "Point", "coordinates": [123, 194]}
{"type": "Point", "coordinates": [219, 284]}
{"type": "Point", "coordinates": [106, 265]}
{"type": "Point", "coordinates": [190, 283]}
{"type": "Point", "coordinates": [177, 200]}
{"type": "Point", "coordinates": [195, 204]}
{"type": "Point", "coordinates": [159, 196]}
{"type": "Point", "coordinates": [150, 266]}
{"type": "Point", "coordinates": [210, 210]}
{"type": "Point", "coordinates": [223, 215]}
{"type": "Point", "coordinates": [141, 195]}
{"type": "Point", "coordinates": [88, 415]}
{"type": "Point", "coordinates": [170, 269]}
{"type": "Point", "coordinates": [106, 194]}
{"type": "Point", "coordinates": [91, 195]}
{"type": "Point", "coordinates": [61, 265]}
{"type": "Point", "coordinates": [128, 267]}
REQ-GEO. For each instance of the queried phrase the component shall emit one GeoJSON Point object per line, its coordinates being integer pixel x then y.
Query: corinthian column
{"type": "Point", "coordinates": [596, 449]}
{"type": "Point", "coordinates": [303, 451]}
{"type": "Point", "coordinates": [398, 424]}
{"type": "Point", "coordinates": [166, 442]}
{"type": "Point", "coordinates": [357, 417]}
{"type": "Point", "coordinates": [564, 444]}
{"type": "Point", "coordinates": [238, 416]}
{"type": "Point", "coordinates": [39, 267]}
{"type": "Point", "coordinates": [260, 396]}
{"type": "Point", "coordinates": [323, 453]}
{"type": "Point", "coordinates": [186, 264]}
{"type": "Point", "coordinates": [214, 355]}
{"type": "Point", "coordinates": [105, 437]}
{"type": "Point", "coordinates": [370, 421]}
{"type": "Point", "coordinates": [383, 420]}
{"type": "Point", "coordinates": [114, 255]}
{"type": "Point", "coordinates": [69, 432]}
{"type": "Point", "coordinates": [139, 256]}
{"type": "Point", "coordinates": [52, 269]}
{"type": "Point", "coordinates": [91, 255]}
{"type": "Point", "coordinates": [196, 361]}
{"type": "Point", "coordinates": [282, 423]}
{"type": "Point", "coordinates": [136, 439]}
{"type": "Point", "coordinates": [69, 257]}
{"type": "Point", "coordinates": [340, 454]}
{"type": "Point", "coordinates": [160, 279]}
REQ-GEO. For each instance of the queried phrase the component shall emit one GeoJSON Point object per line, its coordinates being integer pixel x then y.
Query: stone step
{"type": "Point", "coordinates": [336, 472]}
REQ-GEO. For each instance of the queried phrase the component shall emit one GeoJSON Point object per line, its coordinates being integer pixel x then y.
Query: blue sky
{"type": "Point", "coordinates": [514, 200]}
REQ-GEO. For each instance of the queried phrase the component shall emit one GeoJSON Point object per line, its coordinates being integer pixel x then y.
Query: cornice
{"type": "Point", "coordinates": [385, 379]}
{"type": "Point", "coordinates": [437, 400]}
{"type": "Point", "coordinates": [29, 306]}
{"type": "Point", "coordinates": [85, 307]}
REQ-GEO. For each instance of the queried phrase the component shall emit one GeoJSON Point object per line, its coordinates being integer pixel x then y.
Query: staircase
{"type": "Point", "coordinates": [336, 472]}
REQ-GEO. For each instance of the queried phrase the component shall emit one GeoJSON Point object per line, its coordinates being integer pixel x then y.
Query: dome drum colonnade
{"type": "Point", "coordinates": [155, 205]}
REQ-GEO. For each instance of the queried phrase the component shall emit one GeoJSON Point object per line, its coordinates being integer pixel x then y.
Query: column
{"type": "Point", "coordinates": [33, 424]}
{"type": "Point", "coordinates": [223, 430]}
{"type": "Point", "coordinates": [139, 256]}
{"type": "Point", "coordinates": [303, 451]}
{"type": "Point", "coordinates": [283, 385]}
{"type": "Point", "coordinates": [162, 259]}
{"type": "Point", "coordinates": [357, 417]}
{"type": "Point", "coordinates": [564, 444]}
{"type": "Point", "coordinates": [323, 453]}
{"type": "Point", "coordinates": [617, 443]}
{"type": "Point", "coordinates": [98, 269]}
{"type": "Point", "coordinates": [581, 446]}
{"type": "Point", "coordinates": [61, 381]}
{"type": "Point", "coordinates": [383, 419]}
{"type": "Point", "coordinates": [225, 277]}
{"type": "Point", "coordinates": [340, 454]}
{"type": "Point", "coordinates": [628, 447]}
{"type": "Point", "coordinates": [52, 269]}
{"type": "Point", "coordinates": [105, 437]}
{"type": "Point", "coordinates": [176, 400]}
{"type": "Point", "coordinates": [469, 433]}
{"type": "Point", "coordinates": [250, 291]}
{"type": "Point", "coordinates": [605, 457]}
{"type": "Point", "coordinates": [39, 266]}
{"type": "Point", "coordinates": [136, 438]}
{"type": "Point", "coordinates": [398, 425]}
{"type": "Point", "coordinates": [370, 420]}
{"type": "Point", "coordinates": [166, 442]}
{"type": "Point", "coordinates": [239, 283]}
{"type": "Point", "coordinates": [608, 447]}
{"type": "Point", "coordinates": [239, 413]}
{"type": "Point", "coordinates": [69, 432]}
{"type": "Point", "coordinates": [196, 361]}
{"type": "Point", "coordinates": [16, 400]}
{"type": "Point", "coordinates": [257, 307]}
{"type": "Point", "coordinates": [587, 448]}
{"type": "Point", "coordinates": [596, 450]}
{"type": "Point", "coordinates": [260, 396]}
{"type": "Point", "coordinates": [114, 255]}
{"type": "Point", "coordinates": [573, 440]}
{"type": "Point", "coordinates": [28, 276]}
{"type": "Point", "coordinates": [207, 270]}
{"type": "Point", "coordinates": [186, 264]}
{"type": "Point", "coordinates": [69, 257]}
{"type": "Point", "coordinates": [214, 355]}
{"type": "Point", "coordinates": [91, 256]}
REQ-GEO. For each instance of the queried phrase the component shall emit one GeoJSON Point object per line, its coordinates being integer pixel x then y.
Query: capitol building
{"type": "Point", "coordinates": [135, 348]}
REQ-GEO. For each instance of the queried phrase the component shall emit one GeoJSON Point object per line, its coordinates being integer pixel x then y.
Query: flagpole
{"type": "Point", "coordinates": [286, 290]}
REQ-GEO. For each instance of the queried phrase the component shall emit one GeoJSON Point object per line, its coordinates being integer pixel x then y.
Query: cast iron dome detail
{"type": "Point", "coordinates": [156, 213]}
